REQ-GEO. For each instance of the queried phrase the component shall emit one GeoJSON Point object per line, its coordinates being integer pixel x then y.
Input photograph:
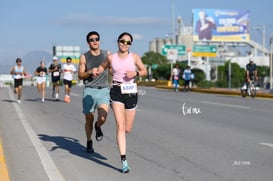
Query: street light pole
{"type": "Point", "coordinates": [173, 22]}
{"type": "Point", "coordinates": [270, 59]}
{"type": "Point", "coordinates": [262, 28]}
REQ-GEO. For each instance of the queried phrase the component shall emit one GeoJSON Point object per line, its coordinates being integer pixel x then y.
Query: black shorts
{"type": "Point", "coordinates": [129, 100]}
{"type": "Point", "coordinates": [68, 82]}
{"type": "Point", "coordinates": [55, 79]}
{"type": "Point", "coordinates": [18, 82]}
{"type": "Point", "coordinates": [187, 82]}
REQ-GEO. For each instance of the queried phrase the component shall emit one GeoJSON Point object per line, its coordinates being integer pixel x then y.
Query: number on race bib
{"type": "Point", "coordinates": [55, 74]}
{"type": "Point", "coordinates": [128, 88]}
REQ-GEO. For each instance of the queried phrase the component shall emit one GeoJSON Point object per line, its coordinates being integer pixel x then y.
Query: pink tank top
{"type": "Point", "coordinates": [121, 66]}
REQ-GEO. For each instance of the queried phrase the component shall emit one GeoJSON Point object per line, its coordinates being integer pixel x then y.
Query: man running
{"type": "Point", "coordinates": [96, 91]}
{"type": "Point", "coordinates": [18, 73]}
{"type": "Point", "coordinates": [68, 70]}
{"type": "Point", "coordinates": [55, 69]}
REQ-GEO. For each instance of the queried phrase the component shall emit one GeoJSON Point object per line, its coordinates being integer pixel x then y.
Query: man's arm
{"type": "Point", "coordinates": [12, 70]}
{"type": "Point", "coordinates": [256, 73]}
{"type": "Point", "coordinates": [82, 74]}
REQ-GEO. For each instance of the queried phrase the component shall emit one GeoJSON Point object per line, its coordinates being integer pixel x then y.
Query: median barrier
{"type": "Point", "coordinates": [225, 91]}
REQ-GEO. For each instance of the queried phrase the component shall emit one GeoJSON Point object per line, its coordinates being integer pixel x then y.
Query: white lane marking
{"type": "Point", "coordinates": [73, 94]}
{"type": "Point", "coordinates": [226, 105]}
{"type": "Point", "coordinates": [50, 168]}
{"type": "Point", "coordinates": [141, 92]}
{"type": "Point", "coordinates": [267, 144]}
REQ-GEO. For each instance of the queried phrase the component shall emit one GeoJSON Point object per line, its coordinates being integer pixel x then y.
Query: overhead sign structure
{"type": "Point", "coordinates": [67, 51]}
{"type": "Point", "coordinates": [170, 49]}
{"type": "Point", "coordinates": [221, 25]}
{"type": "Point", "coordinates": [204, 51]}
{"type": "Point", "coordinates": [75, 60]}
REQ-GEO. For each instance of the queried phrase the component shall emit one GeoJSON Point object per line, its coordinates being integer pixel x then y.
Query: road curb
{"type": "Point", "coordinates": [220, 91]}
{"type": "Point", "coordinates": [4, 176]}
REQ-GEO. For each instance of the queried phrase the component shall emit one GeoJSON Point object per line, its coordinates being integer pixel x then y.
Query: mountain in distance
{"type": "Point", "coordinates": [32, 60]}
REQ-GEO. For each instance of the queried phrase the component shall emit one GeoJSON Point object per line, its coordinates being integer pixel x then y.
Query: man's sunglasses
{"type": "Point", "coordinates": [93, 39]}
{"type": "Point", "coordinates": [125, 42]}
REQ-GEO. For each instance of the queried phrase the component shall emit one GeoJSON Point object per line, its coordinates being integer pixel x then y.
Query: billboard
{"type": "Point", "coordinates": [221, 25]}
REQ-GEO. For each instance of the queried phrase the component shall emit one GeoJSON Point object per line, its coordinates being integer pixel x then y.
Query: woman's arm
{"type": "Point", "coordinates": [36, 72]}
{"type": "Point", "coordinates": [142, 71]}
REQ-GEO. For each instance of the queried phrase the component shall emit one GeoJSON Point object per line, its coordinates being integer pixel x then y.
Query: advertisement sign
{"type": "Point", "coordinates": [221, 25]}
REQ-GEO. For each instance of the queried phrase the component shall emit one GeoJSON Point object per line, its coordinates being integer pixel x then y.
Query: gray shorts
{"type": "Point", "coordinates": [94, 97]}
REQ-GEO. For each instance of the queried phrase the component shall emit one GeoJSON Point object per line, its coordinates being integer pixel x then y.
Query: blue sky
{"type": "Point", "coordinates": [28, 25]}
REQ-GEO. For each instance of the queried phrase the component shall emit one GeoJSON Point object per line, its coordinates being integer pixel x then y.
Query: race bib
{"type": "Point", "coordinates": [128, 88]}
{"type": "Point", "coordinates": [55, 74]}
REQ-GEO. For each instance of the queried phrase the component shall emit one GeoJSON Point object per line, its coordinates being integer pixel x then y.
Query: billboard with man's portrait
{"type": "Point", "coordinates": [221, 25]}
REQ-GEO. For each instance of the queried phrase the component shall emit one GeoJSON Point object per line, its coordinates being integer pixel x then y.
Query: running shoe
{"type": "Point", "coordinates": [99, 134]}
{"type": "Point", "coordinates": [57, 97]}
{"type": "Point", "coordinates": [19, 101]}
{"type": "Point", "coordinates": [89, 147]}
{"type": "Point", "coordinates": [43, 100]}
{"type": "Point", "coordinates": [67, 99]}
{"type": "Point", "coordinates": [125, 167]}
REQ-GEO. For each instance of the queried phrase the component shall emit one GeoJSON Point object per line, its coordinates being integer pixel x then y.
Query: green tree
{"type": "Point", "coordinates": [162, 72]}
{"type": "Point", "coordinates": [151, 58]}
{"type": "Point", "coordinates": [158, 63]}
{"type": "Point", "coordinates": [237, 75]}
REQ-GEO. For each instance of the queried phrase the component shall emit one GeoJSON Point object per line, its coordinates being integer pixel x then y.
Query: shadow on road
{"type": "Point", "coordinates": [8, 100]}
{"type": "Point", "coordinates": [73, 146]}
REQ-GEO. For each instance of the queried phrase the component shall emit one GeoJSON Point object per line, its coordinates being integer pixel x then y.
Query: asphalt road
{"type": "Point", "coordinates": [176, 136]}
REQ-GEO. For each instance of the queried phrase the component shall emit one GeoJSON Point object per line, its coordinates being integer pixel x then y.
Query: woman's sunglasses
{"type": "Point", "coordinates": [125, 42]}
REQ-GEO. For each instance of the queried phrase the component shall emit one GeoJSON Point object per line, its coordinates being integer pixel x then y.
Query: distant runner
{"type": "Point", "coordinates": [68, 70]}
{"type": "Point", "coordinates": [55, 69]}
{"type": "Point", "coordinates": [18, 73]}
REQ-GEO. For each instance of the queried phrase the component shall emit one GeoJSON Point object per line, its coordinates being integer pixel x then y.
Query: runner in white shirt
{"type": "Point", "coordinates": [18, 73]}
{"type": "Point", "coordinates": [68, 70]}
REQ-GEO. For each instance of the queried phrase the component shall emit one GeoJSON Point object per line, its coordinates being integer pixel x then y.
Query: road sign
{"type": "Point", "coordinates": [204, 51]}
{"type": "Point", "coordinates": [75, 60]}
{"type": "Point", "coordinates": [67, 51]}
{"type": "Point", "coordinates": [172, 54]}
{"type": "Point", "coordinates": [181, 49]}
